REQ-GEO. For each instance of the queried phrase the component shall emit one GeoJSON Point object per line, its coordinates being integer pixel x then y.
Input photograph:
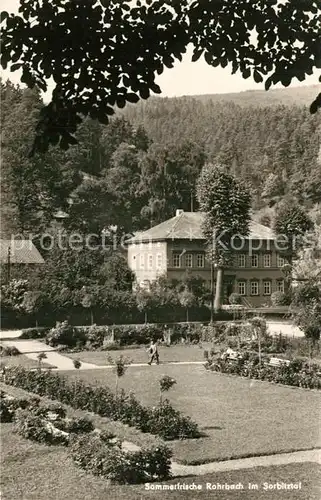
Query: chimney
{"type": "Point", "coordinates": [179, 211]}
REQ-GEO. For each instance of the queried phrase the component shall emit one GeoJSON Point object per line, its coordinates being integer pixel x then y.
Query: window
{"type": "Point", "coordinates": [280, 286]}
{"type": "Point", "coordinates": [241, 286]}
{"type": "Point", "coordinates": [200, 260]}
{"type": "Point", "coordinates": [176, 260]}
{"type": "Point", "coordinates": [142, 261]}
{"type": "Point", "coordinates": [150, 262]}
{"type": "Point", "coordinates": [280, 261]}
{"type": "Point", "coordinates": [134, 261]}
{"type": "Point", "coordinates": [255, 260]}
{"type": "Point", "coordinates": [159, 260]}
{"type": "Point", "coordinates": [254, 288]}
{"type": "Point", "coordinates": [189, 260]}
{"type": "Point", "coordinates": [266, 287]}
{"type": "Point", "coordinates": [267, 260]}
{"type": "Point", "coordinates": [241, 260]}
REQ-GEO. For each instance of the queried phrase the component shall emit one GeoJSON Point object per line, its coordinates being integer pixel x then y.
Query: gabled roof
{"type": "Point", "coordinates": [21, 252]}
{"type": "Point", "coordinates": [188, 226]}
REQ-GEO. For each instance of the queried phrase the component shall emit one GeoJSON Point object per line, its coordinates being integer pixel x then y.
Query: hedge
{"type": "Point", "coordinates": [96, 452]}
{"type": "Point", "coordinates": [100, 337]}
{"type": "Point", "coordinates": [162, 420]}
{"type": "Point", "coordinates": [297, 373]}
{"type": "Point", "coordinates": [37, 332]}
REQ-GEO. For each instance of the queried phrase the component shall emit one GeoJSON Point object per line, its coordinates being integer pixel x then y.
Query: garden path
{"type": "Point", "coordinates": [31, 349]}
{"type": "Point", "coordinates": [246, 463]}
{"type": "Point", "coordinates": [10, 334]}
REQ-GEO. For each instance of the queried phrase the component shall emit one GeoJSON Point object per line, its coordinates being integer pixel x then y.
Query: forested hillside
{"type": "Point", "coordinates": [300, 96]}
{"type": "Point", "coordinates": [144, 168]}
{"type": "Point", "coordinates": [274, 148]}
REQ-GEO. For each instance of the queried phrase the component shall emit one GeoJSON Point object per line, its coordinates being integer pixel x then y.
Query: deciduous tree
{"type": "Point", "coordinates": [105, 53]}
{"type": "Point", "coordinates": [226, 203]}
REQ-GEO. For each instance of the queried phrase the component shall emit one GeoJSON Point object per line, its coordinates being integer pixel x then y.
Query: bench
{"type": "Point", "coordinates": [278, 362]}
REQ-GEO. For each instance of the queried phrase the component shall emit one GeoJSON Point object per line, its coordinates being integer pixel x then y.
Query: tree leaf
{"type": "Point", "coordinates": [155, 88]}
{"type": "Point", "coordinates": [257, 77]}
{"type": "Point", "coordinates": [131, 97]}
{"type": "Point", "coordinates": [208, 58]}
{"type": "Point", "coordinates": [15, 67]}
{"type": "Point", "coordinates": [3, 16]}
{"type": "Point", "coordinates": [144, 93]}
{"type": "Point", "coordinates": [246, 73]}
{"type": "Point", "coordinates": [197, 54]}
{"type": "Point", "coordinates": [315, 105]}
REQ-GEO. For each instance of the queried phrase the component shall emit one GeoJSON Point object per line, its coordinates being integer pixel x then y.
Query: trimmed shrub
{"type": "Point", "coordinates": [168, 423]}
{"type": "Point", "coordinates": [235, 299]}
{"type": "Point", "coordinates": [8, 350]}
{"type": "Point", "coordinates": [102, 401]}
{"type": "Point", "coordinates": [38, 332]}
{"type": "Point", "coordinates": [279, 299]}
{"type": "Point", "coordinates": [105, 458]}
{"type": "Point", "coordinates": [94, 335]}
{"type": "Point", "coordinates": [65, 334]}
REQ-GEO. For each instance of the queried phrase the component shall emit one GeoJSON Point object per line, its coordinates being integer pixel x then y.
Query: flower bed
{"type": "Point", "coordinates": [96, 452]}
{"type": "Point", "coordinates": [296, 373]}
{"type": "Point", "coordinates": [100, 400]}
{"type": "Point", "coordinates": [103, 456]}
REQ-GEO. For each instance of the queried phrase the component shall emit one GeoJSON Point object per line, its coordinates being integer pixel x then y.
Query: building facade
{"type": "Point", "coordinates": [177, 246]}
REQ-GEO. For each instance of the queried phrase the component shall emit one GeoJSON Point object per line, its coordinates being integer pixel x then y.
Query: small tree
{"type": "Point", "coordinates": [88, 299]}
{"type": "Point", "coordinates": [260, 330]}
{"type": "Point", "coordinates": [13, 294]}
{"type": "Point", "coordinates": [41, 356]}
{"type": "Point", "coordinates": [187, 299]}
{"type": "Point", "coordinates": [144, 301]}
{"type": "Point", "coordinates": [77, 363]}
{"type": "Point", "coordinates": [32, 302]}
{"type": "Point", "coordinates": [121, 365]}
{"type": "Point", "coordinates": [292, 222]}
{"type": "Point", "coordinates": [306, 312]}
{"type": "Point", "coordinates": [165, 384]}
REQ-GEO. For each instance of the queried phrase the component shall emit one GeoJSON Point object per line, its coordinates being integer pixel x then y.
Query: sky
{"type": "Point", "coordinates": [186, 78]}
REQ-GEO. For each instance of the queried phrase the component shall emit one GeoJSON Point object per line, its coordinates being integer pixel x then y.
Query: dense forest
{"type": "Point", "coordinates": [135, 171]}
{"type": "Point", "coordinates": [275, 149]}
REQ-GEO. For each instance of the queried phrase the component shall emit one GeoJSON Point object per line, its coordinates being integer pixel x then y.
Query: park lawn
{"type": "Point", "coordinates": [240, 417]}
{"type": "Point", "coordinates": [174, 353]}
{"type": "Point", "coordinates": [139, 355]}
{"type": "Point", "coordinates": [32, 471]}
{"type": "Point", "coordinates": [22, 360]}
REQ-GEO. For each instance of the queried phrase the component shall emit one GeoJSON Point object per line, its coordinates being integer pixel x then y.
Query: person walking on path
{"type": "Point", "coordinates": [153, 352]}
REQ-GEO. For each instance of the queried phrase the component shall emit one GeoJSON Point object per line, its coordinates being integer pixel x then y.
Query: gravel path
{"type": "Point", "coordinates": [246, 463]}
{"type": "Point", "coordinates": [31, 349]}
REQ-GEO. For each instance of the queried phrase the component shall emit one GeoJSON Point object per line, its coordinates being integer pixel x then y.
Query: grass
{"type": "Point", "coordinates": [183, 352]}
{"type": "Point", "coordinates": [31, 471]}
{"type": "Point", "coordinates": [240, 417]}
{"type": "Point", "coordinates": [22, 360]}
{"type": "Point", "coordinates": [139, 355]}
